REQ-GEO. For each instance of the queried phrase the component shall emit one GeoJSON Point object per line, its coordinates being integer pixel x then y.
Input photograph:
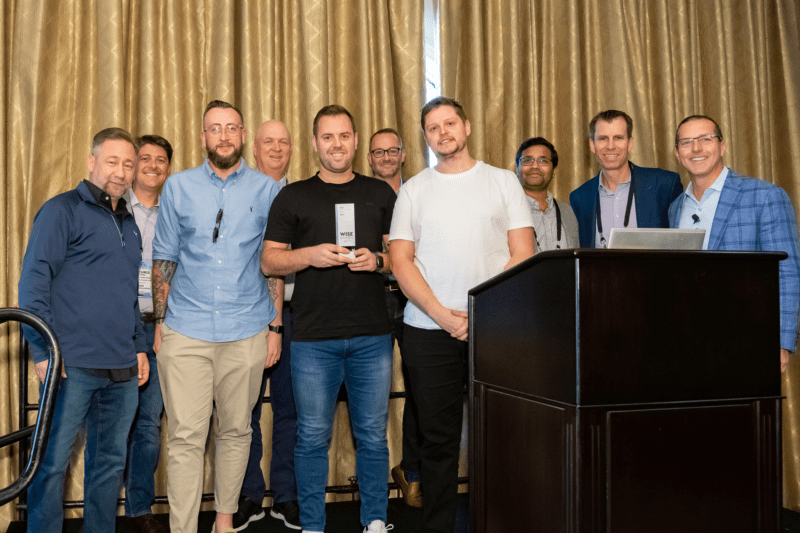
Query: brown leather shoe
{"type": "Point", "coordinates": [412, 493]}
{"type": "Point", "coordinates": [147, 523]}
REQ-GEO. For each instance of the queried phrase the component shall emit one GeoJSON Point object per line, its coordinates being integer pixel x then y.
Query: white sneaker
{"type": "Point", "coordinates": [377, 526]}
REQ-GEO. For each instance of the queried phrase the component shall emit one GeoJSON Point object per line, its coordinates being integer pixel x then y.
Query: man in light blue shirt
{"type": "Point", "coordinates": [738, 213]}
{"type": "Point", "coordinates": [209, 293]}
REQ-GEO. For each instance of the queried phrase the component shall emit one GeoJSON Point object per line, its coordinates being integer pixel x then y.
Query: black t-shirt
{"type": "Point", "coordinates": [334, 302]}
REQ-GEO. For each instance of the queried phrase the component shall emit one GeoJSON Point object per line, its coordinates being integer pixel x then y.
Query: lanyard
{"type": "Point", "coordinates": [558, 228]}
{"type": "Point", "coordinates": [627, 211]}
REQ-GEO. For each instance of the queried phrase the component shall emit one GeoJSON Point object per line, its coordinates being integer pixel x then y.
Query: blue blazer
{"type": "Point", "coordinates": [655, 189]}
{"type": "Point", "coordinates": [755, 215]}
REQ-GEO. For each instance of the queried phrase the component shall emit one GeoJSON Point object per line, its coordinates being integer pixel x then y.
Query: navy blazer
{"type": "Point", "coordinates": [755, 215]}
{"type": "Point", "coordinates": [655, 190]}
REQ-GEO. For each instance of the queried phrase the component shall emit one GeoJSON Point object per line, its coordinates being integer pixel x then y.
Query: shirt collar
{"type": "Point", "coordinates": [718, 184]}
{"type": "Point", "coordinates": [133, 200]}
{"type": "Point", "coordinates": [549, 200]}
{"type": "Point", "coordinates": [235, 174]}
{"type": "Point", "coordinates": [103, 198]}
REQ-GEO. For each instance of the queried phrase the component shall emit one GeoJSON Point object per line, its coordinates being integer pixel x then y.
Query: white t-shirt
{"type": "Point", "coordinates": [459, 225]}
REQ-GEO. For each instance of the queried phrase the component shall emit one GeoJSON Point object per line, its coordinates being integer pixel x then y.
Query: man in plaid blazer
{"type": "Point", "coordinates": [738, 213]}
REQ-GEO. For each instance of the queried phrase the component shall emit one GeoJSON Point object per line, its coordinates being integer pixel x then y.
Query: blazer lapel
{"type": "Point", "coordinates": [728, 200]}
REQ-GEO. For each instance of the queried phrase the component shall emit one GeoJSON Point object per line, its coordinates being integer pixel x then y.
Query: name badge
{"type": "Point", "coordinates": [346, 227]}
{"type": "Point", "coordinates": [145, 275]}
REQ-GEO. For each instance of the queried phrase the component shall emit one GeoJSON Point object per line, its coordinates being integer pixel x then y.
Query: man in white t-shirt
{"type": "Point", "coordinates": [454, 226]}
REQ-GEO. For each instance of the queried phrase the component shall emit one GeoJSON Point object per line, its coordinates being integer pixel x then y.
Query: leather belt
{"type": "Point", "coordinates": [391, 285]}
{"type": "Point", "coordinates": [148, 318]}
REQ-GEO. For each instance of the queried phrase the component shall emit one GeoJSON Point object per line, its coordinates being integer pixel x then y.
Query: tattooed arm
{"type": "Point", "coordinates": [276, 287]}
{"type": "Point", "coordinates": [163, 272]}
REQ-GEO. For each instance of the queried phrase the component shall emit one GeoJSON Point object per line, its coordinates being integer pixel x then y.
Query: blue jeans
{"type": "Point", "coordinates": [107, 408]}
{"type": "Point", "coordinates": [364, 364]}
{"type": "Point", "coordinates": [144, 445]}
{"type": "Point", "coordinates": [284, 429]}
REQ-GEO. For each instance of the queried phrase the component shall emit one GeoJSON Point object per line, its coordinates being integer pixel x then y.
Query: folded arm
{"type": "Point", "coordinates": [419, 292]}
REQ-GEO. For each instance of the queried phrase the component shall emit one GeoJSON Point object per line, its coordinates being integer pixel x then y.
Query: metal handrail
{"type": "Point", "coordinates": [41, 429]}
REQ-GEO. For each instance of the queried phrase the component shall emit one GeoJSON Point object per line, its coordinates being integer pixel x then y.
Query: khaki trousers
{"type": "Point", "coordinates": [197, 376]}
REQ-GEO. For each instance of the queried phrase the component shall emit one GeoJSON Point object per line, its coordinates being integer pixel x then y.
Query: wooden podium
{"type": "Point", "coordinates": [627, 392]}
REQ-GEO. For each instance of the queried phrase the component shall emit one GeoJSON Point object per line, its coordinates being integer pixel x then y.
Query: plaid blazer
{"type": "Point", "coordinates": [755, 215]}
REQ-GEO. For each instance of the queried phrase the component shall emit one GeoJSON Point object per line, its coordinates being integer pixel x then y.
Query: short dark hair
{"type": "Point", "coordinates": [332, 110]}
{"type": "Point", "coordinates": [608, 116]}
{"type": "Point", "coordinates": [111, 134]}
{"type": "Point", "coordinates": [155, 140]}
{"type": "Point", "coordinates": [717, 130]}
{"type": "Point", "coordinates": [213, 104]}
{"type": "Point", "coordinates": [538, 141]}
{"type": "Point", "coordinates": [386, 130]}
{"type": "Point", "coordinates": [439, 101]}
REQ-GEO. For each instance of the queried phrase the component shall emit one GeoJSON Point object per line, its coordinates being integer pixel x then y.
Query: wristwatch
{"type": "Point", "coordinates": [276, 329]}
{"type": "Point", "coordinates": [379, 260]}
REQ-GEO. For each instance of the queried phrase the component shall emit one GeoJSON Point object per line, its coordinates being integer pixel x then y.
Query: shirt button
{"type": "Point", "coordinates": [218, 286]}
{"type": "Point", "coordinates": [220, 261]}
{"type": "Point", "coordinates": [217, 312]}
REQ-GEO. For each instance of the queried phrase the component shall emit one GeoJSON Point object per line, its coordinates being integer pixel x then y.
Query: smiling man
{"type": "Point", "coordinates": [336, 223]}
{"type": "Point", "coordinates": [79, 275]}
{"type": "Point", "coordinates": [622, 195]}
{"type": "Point", "coordinates": [386, 157]}
{"type": "Point", "coordinates": [454, 226]}
{"type": "Point", "coordinates": [554, 223]}
{"type": "Point", "coordinates": [738, 213]}
{"type": "Point", "coordinates": [213, 315]}
{"type": "Point", "coordinates": [144, 446]}
{"type": "Point", "coordinates": [272, 149]}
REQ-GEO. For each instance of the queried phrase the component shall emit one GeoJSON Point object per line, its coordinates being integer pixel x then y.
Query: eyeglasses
{"type": "Point", "coordinates": [216, 130]}
{"type": "Point", "coordinates": [704, 140]}
{"type": "Point", "coordinates": [216, 228]}
{"type": "Point", "coordinates": [393, 152]}
{"type": "Point", "coordinates": [528, 160]}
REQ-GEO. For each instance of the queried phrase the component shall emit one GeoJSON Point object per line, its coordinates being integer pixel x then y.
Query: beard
{"type": "Point", "coordinates": [386, 172]}
{"type": "Point", "coordinates": [224, 162]}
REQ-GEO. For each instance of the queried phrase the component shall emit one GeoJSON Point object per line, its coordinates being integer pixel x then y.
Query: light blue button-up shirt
{"type": "Point", "coordinates": [218, 293]}
{"type": "Point", "coordinates": [703, 210]}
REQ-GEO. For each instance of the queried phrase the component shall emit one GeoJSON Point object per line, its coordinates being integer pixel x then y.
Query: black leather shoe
{"type": "Point", "coordinates": [249, 511]}
{"type": "Point", "coordinates": [147, 523]}
{"type": "Point", "coordinates": [289, 512]}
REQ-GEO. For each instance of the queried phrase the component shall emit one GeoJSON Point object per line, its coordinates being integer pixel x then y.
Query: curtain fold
{"type": "Point", "coordinates": [73, 67]}
{"type": "Point", "coordinates": [523, 69]}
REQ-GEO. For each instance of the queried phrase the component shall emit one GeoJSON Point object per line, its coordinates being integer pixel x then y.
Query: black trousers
{"type": "Point", "coordinates": [437, 371]}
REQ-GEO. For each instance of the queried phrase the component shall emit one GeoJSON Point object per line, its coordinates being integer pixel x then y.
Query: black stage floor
{"type": "Point", "coordinates": [342, 517]}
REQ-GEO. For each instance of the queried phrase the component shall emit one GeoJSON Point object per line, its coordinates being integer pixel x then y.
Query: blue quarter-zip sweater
{"type": "Point", "coordinates": [80, 275]}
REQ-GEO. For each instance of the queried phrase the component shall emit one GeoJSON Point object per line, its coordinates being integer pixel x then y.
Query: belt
{"type": "Point", "coordinates": [148, 318]}
{"type": "Point", "coordinates": [391, 285]}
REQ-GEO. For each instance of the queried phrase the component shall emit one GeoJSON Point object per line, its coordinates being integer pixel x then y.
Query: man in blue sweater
{"type": "Point", "coordinates": [79, 274]}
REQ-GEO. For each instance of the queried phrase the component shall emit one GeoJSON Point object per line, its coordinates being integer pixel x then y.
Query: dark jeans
{"type": "Point", "coordinates": [410, 463]}
{"type": "Point", "coordinates": [107, 409]}
{"type": "Point", "coordinates": [437, 369]}
{"type": "Point", "coordinates": [144, 444]}
{"type": "Point", "coordinates": [284, 429]}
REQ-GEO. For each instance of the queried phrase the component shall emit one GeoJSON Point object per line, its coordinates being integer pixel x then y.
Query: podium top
{"type": "Point", "coordinates": [597, 253]}
{"type": "Point", "coordinates": [608, 327]}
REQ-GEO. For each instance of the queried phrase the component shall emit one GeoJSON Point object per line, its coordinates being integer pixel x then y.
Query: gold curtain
{"type": "Point", "coordinates": [73, 67]}
{"type": "Point", "coordinates": [524, 68]}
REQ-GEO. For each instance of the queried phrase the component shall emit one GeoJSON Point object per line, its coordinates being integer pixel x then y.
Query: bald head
{"type": "Point", "coordinates": [272, 149]}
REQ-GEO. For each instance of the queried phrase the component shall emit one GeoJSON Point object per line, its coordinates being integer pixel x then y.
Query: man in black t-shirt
{"type": "Point", "coordinates": [336, 223]}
